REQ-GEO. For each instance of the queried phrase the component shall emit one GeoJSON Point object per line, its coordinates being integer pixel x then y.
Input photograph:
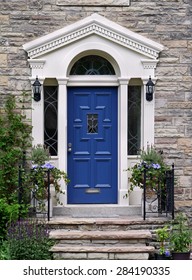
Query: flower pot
{"type": "Point", "coordinates": [42, 208]}
{"type": "Point", "coordinates": [181, 256]}
{"type": "Point", "coordinates": [150, 193]}
{"type": "Point", "coordinates": [135, 196]}
{"type": "Point", "coordinates": [51, 180]}
{"type": "Point", "coordinates": [162, 257]}
{"type": "Point", "coordinates": [151, 204]}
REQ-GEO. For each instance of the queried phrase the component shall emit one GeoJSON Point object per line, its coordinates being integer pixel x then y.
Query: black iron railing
{"type": "Point", "coordinates": [38, 206]}
{"type": "Point", "coordinates": [159, 201]}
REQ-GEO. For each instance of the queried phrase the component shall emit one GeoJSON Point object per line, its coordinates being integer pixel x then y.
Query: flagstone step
{"type": "Point", "coordinates": [103, 249]}
{"type": "Point", "coordinates": [107, 235]}
{"type": "Point", "coordinates": [101, 252]}
{"type": "Point", "coordinates": [127, 237]}
{"type": "Point", "coordinates": [131, 244]}
{"type": "Point", "coordinates": [120, 223]}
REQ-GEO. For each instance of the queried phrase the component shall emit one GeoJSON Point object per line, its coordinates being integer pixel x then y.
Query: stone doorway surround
{"type": "Point", "coordinates": [132, 56]}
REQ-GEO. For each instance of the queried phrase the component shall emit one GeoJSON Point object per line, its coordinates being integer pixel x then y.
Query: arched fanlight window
{"type": "Point", "coordinates": [92, 65]}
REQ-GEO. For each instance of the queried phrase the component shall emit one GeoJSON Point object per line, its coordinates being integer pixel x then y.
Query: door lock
{"type": "Point", "coordinates": [69, 147]}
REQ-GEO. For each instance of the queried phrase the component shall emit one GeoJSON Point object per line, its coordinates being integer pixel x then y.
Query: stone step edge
{"type": "Point", "coordinates": [102, 249]}
{"type": "Point", "coordinates": [109, 235]}
{"type": "Point", "coordinates": [105, 221]}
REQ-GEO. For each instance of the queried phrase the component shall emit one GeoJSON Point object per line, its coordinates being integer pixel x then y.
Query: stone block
{"type": "Point", "coordinates": [13, 5]}
{"type": "Point", "coordinates": [3, 80]}
{"type": "Point", "coordinates": [132, 256]}
{"type": "Point", "coordinates": [184, 143]}
{"type": "Point", "coordinates": [180, 105]}
{"type": "Point", "coordinates": [4, 19]}
{"type": "Point", "coordinates": [98, 256]}
{"type": "Point", "coordinates": [181, 204]}
{"type": "Point", "coordinates": [70, 256]}
{"type": "Point", "coordinates": [3, 60]}
{"type": "Point", "coordinates": [92, 3]}
{"type": "Point", "coordinates": [36, 4]}
{"type": "Point", "coordinates": [111, 256]}
{"type": "Point", "coordinates": [188, 194]}
{"type": "Point", "coordinates": [185, 181]}
{"type": "Point", "coordinates": [176, 43]}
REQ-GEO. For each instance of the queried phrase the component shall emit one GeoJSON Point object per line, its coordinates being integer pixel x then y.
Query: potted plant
{"type": "Point", "coordinates": [163, 235]}
{"type": "Point", "coordinates": [152, 164]}
{"type": "Point", "coordinates": [44, 173]}
{"type": "Point", "coordinates": [39, 155]}
{"type": "Point", "coordinates": [152, 161]}
{"type": "Point", "coordinates": [180, 237]}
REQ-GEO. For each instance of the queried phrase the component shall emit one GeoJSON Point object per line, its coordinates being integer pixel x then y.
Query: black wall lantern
{"type": "Point", "coordinates": [37, 90]}
{"type": "Point", "coordinates": [149, 89]}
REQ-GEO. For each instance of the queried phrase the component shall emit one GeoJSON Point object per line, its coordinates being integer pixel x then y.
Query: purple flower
{"type": "Point", "coordinates": [156, 166]}
{"type": "Point", "coordinates": [143, 163]}
{"type": "Point", "coordinates": [48, 165]}
{"type": "Point", "coordinates": [167, 253]}
{"type": "Point", "coordinates": [35, 166]}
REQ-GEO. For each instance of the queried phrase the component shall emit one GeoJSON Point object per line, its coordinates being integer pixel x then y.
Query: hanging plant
{"type": "Point", "coordinates": [152, 162]}
{"type": "Point", "coordinates": [44, 174]}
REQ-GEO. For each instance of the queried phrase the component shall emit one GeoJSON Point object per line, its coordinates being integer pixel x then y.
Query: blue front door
{"type": "Point", "coordinates": [92, 145]}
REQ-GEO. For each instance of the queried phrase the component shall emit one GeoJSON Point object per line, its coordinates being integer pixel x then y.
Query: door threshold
{"type": "Point", "coordinates": [95, 210]}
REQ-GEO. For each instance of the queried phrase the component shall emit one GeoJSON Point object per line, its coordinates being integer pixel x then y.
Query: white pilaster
{"type": "Point", "coordinates": [38, 116]}
{"type": "Point", "coordinates": [148, 117]}
{"type": "Point", "coordinates": [62, 131]}
{"type": "Point", "coordinates": [149, 67]}
{"type": "Point", "coordinates": [122, 132]}
{"type": "Point", "coordinates": [37, 68]}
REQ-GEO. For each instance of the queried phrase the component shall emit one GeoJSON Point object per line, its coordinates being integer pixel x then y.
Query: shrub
{"type": "Point", "coordinates": [4, 250]}
{"type": "Point", "coordinates": [29, 240]}
{"type": "Point", "coordinates": [14, 140]}
{"type": "Point", "coordinates": [163, 238]}
{"type": "Point", "coordinates": [8, 213]}
{"type": "Point", "coordinates": [181, 234]}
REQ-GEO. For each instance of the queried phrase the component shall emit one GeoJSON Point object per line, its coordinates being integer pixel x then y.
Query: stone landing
{"type": "Point", "coordinates": [97, 211]}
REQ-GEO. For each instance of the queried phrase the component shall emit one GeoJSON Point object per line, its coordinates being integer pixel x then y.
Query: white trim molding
{"type": "Point", "coordinates": [36, 63]}
{"type": "Point", "coordinates": [95, 24]}
{"type": "Point", "coordinates": [149, 64]}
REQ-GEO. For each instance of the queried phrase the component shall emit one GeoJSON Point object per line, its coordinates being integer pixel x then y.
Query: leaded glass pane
{"type": "Point", "coordinates": [134, 119]}
{"type": "Point", "coordinates": [50, 119]}
{"type": "Point", "coordinates": [92, 123]}
{"type": "Point", "coordinates": [92, 65]}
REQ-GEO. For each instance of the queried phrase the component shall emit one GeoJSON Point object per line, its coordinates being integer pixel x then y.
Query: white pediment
{"type": "Point", "coordinates": [94, 24]}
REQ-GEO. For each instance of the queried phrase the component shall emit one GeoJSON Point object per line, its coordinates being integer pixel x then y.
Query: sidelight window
{"type": "Point", "coordinates": [50, 118]}
{"type": "Point", "coordinates": [134, 119]}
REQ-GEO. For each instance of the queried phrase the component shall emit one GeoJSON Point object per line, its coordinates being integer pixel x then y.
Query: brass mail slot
{"type": "Point", "coordinates": [92, 190]}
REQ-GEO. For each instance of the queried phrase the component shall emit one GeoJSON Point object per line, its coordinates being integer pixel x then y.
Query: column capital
{"type": "Point", "coordinates": [62, 81]}
{"type": "Point", "coordinates": [36, 64]}
{"type": "Point", "coordinates": [149, 64]}
{"type": "Point", "coordinates": [123, 80]}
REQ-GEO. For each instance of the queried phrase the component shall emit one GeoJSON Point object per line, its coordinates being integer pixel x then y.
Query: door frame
{"type": "Point", "coordinates": [103, 81]}
{"type": "Point", "coordinates": [122, 94]}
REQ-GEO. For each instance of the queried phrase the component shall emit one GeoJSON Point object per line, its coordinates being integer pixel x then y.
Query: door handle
{"type": "Point", "coordinates": [69, 147]}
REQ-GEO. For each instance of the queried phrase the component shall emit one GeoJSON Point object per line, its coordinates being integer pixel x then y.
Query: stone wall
{"type": "Point", "coordinates": [168, 22]}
